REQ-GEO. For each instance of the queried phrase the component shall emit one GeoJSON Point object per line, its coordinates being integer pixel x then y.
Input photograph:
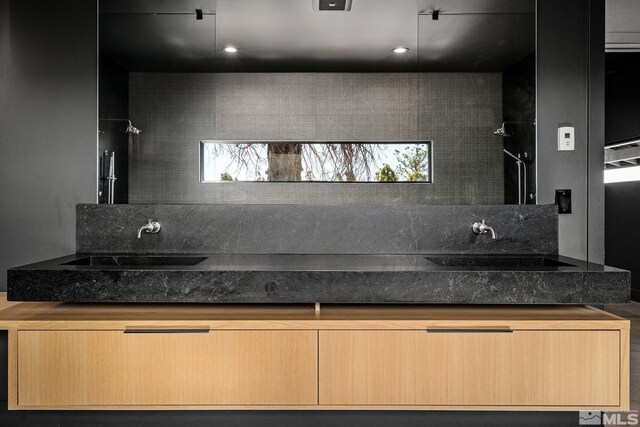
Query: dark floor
{"type": "Point", "coordinates": [632, 312]}
{"type": "Point", "coordinates": [326, 418]}
{"type": "Point", "coordinates": [287, 419]}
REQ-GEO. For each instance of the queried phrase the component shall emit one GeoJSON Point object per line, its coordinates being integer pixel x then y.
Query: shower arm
{"type": "Point", "coordinates": [116, 120]}
{"type": "Point", "coordinates": [517, 159]}
{"type": "Point", "coordinates": [533, 123]}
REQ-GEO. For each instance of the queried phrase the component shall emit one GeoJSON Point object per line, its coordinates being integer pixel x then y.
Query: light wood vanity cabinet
{"type": "Point", "coordinates": [291, 357]}
{"type": "Point", "coordinates": [112, 368]}
{"type": "Point", "coordinates": [518, 368]}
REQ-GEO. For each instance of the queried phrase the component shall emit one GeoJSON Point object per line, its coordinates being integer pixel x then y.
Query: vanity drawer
{"type": "Point", "coordinates": [111, 368]}
{"type": "Point", "coordinates": [470, 368]}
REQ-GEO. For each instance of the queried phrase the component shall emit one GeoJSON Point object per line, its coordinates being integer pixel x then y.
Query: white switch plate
{"type": "Point", "coordinates": [566, 138]}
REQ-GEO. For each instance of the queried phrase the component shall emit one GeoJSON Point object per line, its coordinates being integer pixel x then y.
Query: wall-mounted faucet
{"type": "Point", "coordinates": [152, 227]}
{"type": "Point", "coordinates": [482, 228]}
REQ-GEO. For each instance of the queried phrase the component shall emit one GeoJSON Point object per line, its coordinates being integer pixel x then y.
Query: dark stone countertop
{"type": "Point", "coordinates": [367, 279]}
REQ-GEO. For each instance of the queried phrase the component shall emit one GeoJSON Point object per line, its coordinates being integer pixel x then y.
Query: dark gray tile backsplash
{"type": "Point", "coordinates": [317, 229]}
{"type": "Point", "coordinates": [458, 111]}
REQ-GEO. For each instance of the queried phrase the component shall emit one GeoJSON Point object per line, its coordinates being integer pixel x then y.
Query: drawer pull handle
{"type": "Point", "coordinates": [471, 331]}
{"type": "Point", "coordinates": [166, 331]}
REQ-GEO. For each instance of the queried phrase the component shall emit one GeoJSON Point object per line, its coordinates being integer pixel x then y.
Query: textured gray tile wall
{"type": "Point", "coordinates": [291, 229]}
{"type": "Point", "coordinates": [173, 111]}
{"type": "Point", "coordinates": [458, 111]}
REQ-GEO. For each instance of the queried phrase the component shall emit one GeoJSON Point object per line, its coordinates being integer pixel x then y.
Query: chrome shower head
{"type": "Point", "coordinates": [132, 130]}
{"type": "Point", "coordinates": [501, 131]}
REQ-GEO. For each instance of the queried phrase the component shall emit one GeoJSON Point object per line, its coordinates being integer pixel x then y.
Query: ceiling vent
{"type": "Point", "coordinates": [332, 5]}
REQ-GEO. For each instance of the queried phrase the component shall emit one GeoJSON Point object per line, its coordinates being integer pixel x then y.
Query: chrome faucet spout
{"type": "Point", "coordinates": [483, 228]}
{"type": "Point", "coordinates": [152, 227]}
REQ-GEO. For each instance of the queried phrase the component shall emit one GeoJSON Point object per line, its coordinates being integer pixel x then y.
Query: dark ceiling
{"type": "Point", "coordinates": [622, 26]}
{"type": "Point", "coordinates": [288, 35]}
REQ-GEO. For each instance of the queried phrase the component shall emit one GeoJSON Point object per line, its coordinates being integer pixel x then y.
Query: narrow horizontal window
{"type": "Point", "coordinates": [316, 161]}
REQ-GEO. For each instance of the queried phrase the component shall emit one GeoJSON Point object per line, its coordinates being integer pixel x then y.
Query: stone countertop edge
{"type": "Point", "coordinates": [583, 283]}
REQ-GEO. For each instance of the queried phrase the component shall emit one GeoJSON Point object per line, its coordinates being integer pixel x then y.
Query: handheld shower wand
{"type": "Point", "coordinates": [111, 178]}
{"type": "Point", "coordinates": [522, 167]}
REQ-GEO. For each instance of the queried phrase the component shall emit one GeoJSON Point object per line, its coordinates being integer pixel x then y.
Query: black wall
{"type": "Point", "coordinates": [622, 243]}
{"type": "Point", "coordinates": [570, 89]}
{"type": "Point", "coordinates": [48, 97]}
{"type": "Point", "coordinates": [114, 104]}
{"type": "Point", "coordinates": [622, 99]}
{"type": "Point", "coordinates": [519, 105]}
{"type": "Point", "coordinates": [622, 200]}
{"type": "Point", "coordinates": [47, 130]}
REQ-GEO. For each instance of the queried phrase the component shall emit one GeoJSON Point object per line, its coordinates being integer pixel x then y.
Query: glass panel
{"type": "Point", "coordinates": [478, 99]}
{"type": "Point", "coordinates": [310, 96]}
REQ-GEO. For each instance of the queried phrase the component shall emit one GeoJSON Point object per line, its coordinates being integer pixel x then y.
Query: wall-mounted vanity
{"type": "Point", "coordinates": [293, 357]}
{"type": "Point", "coordinates": [483, 323]}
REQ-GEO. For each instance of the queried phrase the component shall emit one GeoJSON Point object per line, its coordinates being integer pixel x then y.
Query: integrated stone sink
{"type": "Point", "coordinates": [136, 260]}
{"type": "Point", "coordinates": [323, 262]}
{"type": "Point", "coordinates": [496, 261]}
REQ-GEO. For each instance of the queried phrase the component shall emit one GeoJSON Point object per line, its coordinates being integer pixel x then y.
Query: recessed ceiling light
{"type": "Point", "coordinates": [401, 49]}
{"type": "Point", "coordinates": [230, 49]}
